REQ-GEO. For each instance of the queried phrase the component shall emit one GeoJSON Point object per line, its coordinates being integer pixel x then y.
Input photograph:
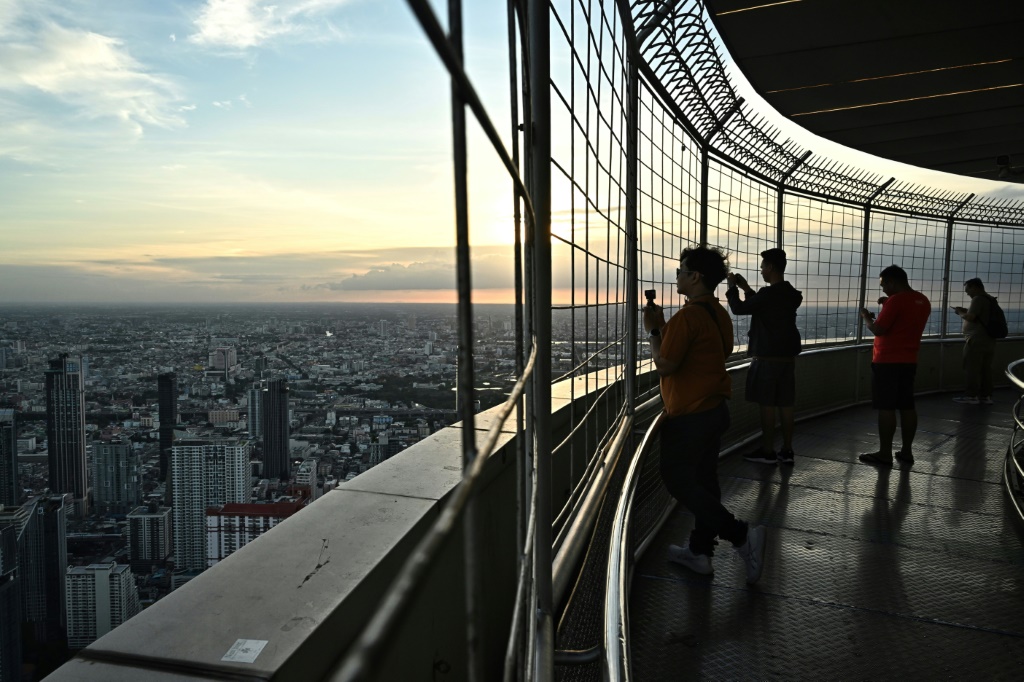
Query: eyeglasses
{"type": "Point", "coordinates": [680, 271]}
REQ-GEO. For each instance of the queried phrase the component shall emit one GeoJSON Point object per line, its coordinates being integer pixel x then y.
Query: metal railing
{"type": "Point", "coordinates": [1013, 470]}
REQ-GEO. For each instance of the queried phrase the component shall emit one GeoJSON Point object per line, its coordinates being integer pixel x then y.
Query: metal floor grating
{"type": "Point", "coordinates": [913, 573]}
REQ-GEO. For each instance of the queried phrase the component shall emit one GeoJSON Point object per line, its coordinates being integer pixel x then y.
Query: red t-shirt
{"type": "Point", "coordinates": [899, 327]}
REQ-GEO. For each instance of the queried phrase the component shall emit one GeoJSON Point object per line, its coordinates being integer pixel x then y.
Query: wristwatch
{"type": "Point", "coordinates": [654, 333]}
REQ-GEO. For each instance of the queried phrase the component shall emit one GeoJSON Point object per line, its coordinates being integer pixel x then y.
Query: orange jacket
{"type": "Point", "coordinates": [701, 382]}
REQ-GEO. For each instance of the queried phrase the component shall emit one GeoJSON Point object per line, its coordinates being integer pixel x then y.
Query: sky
{"type": "Point", "coordinates": [230, 150]}
{"type": "Point", "coordinates": [236, 150]}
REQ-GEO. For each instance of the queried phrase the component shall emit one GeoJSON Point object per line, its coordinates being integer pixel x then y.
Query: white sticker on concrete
{"type": "Point", "coordinates": [244, 650]}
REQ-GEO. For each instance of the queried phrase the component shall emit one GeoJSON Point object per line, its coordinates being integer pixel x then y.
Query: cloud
{"type": "Point", "coordinates": [413, 273]}
{"type": "Point", "coordinates": [244, 24]}
{"type": "Point", "coordinates": [91, 74]}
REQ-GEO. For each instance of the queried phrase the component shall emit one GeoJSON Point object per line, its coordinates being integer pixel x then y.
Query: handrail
{"type": "Point", "coordinates": [620, 562]}
{"type": "Point", "coordinates": [1012, 376]}
{"type": "Point", "coordinates": [1013, 472]}
{"type": "Point", "coordinates": [368, 649]}
{"type": "Point", "coordinates": [578, 533]}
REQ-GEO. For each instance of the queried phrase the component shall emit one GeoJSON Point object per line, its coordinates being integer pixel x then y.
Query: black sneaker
{"type": "Point", "coordinates": [786, 456]}
{"type": "Point", "coordinates": [905, 457]}
{"type": "Point", "coordinates": [761, 457]}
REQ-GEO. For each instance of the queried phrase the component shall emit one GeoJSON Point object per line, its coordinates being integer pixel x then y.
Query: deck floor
{"type": "Point", "coordinates": [914, 574]}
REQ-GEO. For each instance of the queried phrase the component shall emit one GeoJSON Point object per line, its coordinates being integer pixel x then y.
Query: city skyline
{"type": "Point", "coordinates": [216, 150]}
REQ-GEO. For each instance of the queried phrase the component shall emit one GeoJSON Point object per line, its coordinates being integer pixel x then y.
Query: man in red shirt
{"type": "Point", "coordinates": [897, 331]}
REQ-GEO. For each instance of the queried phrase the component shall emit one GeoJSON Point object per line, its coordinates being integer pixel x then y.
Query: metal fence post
{"type": "Point", "coordinates": [539, 410]}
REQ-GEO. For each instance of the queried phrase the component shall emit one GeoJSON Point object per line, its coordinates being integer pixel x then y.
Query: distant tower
{"type": "Point", "coordinates": [116, 479]}
{"type": "Point", "coordinates": [167, 397]}
{"type": "Point", "coordinates": [383, 328]}
{"type": "Point", "coordinates": [255, 412]}
{"type": "Point", "coordinates": [99, 597]}
{"type": "Point", "coordinates": [204, 474]}
{"type": "Point", "coordinates": [10, 490]}
{"type": "Point", "coordinates": [276, 430]}
{"type": "Point", "coordinates": [65, 431]}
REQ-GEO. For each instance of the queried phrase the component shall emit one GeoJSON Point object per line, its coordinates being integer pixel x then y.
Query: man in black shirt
{"type": "Point", "coordinates": [774, 345]}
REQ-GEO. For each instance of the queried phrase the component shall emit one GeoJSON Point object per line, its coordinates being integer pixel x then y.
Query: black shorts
{"type": "Point", "coordinates": [772, 382]}
{"type": "Point", "coordinates": [892, 385]}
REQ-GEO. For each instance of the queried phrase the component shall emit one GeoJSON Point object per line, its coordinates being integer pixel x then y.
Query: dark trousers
{"type": "Point", "coordinates": [978, 356]}
{"type": "Point", "coordinates": [690, 445]}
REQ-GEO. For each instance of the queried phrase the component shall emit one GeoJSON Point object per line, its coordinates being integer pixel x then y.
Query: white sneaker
{"type": "Point", "coordinates": [966, 400]}
{"type": "Point", "coordinates": [698, 563]}
{"type": "Point", "coordinates": [752, 553]}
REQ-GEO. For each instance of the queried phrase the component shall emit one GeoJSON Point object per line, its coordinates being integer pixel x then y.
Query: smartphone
{"type": "Point", "coordinates": [650, 294]}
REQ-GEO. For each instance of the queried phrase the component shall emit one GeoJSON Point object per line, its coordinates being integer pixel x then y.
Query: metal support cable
{"type": "Point", "coordinates": [522, 594]}
{"type": "Point", "coordinates": [525, 497]}
{"type": "Point", "coordinates": [704, 195]}
{"type": "Point", "coordinates": [466, 374]}
{"type": "Point", "coordinates": [365, 653]}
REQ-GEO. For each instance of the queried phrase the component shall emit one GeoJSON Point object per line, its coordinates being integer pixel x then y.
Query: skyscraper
{"type": "Point", "coordinates": [65, 431]}
{"type": "Point", "coordinates": [204, 474]}
{"type": "Point", "coordinates": [167, 405]}
{"type": "Point", "coordinates": [10, 605]}
{"type": "Point", "coordinates": [99, 597]}
{"type": "Point", "coordinates": [10, 489]}
{"type": "Point", "coordinates": [42, 563]}
{"type": "Point", "coordinates": [255, 412]}
{"type": "Point", "coordinates": [276, 430]}
{"type": "Point", "coordinates": [116, 477]}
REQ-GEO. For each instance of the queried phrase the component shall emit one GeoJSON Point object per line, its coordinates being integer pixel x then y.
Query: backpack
{"type": "Point", "coordinates": [996, 325]}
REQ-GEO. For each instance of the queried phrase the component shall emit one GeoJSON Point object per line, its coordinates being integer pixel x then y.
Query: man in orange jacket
{"type": "Point", "coordinates": [689, 352]}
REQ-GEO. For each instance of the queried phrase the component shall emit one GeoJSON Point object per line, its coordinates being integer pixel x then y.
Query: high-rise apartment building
{"type": "Point", "coordinates": [10, 489]}
{"type": "Point", "coordinates": [99, 597]}
{"type": "Point", "coordinates": [10, 605]}
{"type": "Point", "coordinates": [276, 430]}
{"type": "Point", "coordinates": [149, 538]}
{"type": "Point", "coordinates": [167, 405]}
{"type": "Point", "coordinates": [204, 474]}
{"type": "Point", "coordinates": [232, 526]}
{"type": "Point", "coordinates": [116, 477]}
{"type": "Point", "coordinates": [42, 562]}
{"type": "Point", "coordinates": [255, 416]}
{"type": "Point", "coordinates": [65, 431]}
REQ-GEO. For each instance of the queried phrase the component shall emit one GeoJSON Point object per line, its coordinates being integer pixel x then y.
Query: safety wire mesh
{"type": "Point", "coordinates": [824, 242]}
{"type": "Point", "coordinates": [742, 222]}
{"type": "Point", "coordinates": [589, 240]}
{"type": "Point", "coordinates": [689, 108]}
{"type": "Point", "coordinates": [668, 211]}
{"type": "Point", "coordinates": [918, 246]}
{"type": "Point", "coordinates": [996, 255]}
